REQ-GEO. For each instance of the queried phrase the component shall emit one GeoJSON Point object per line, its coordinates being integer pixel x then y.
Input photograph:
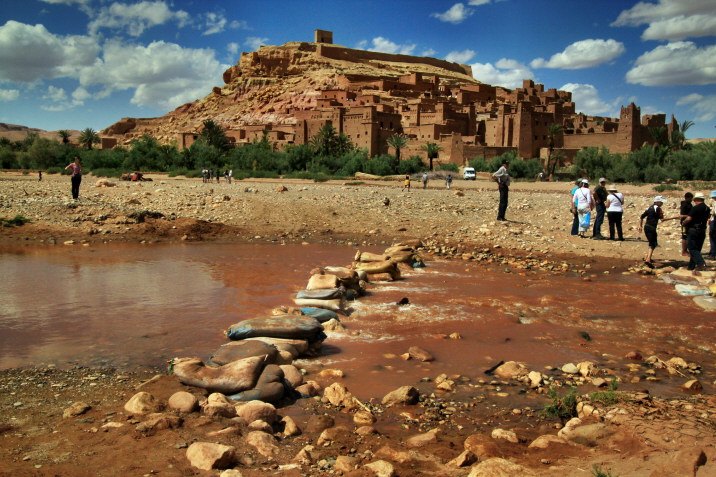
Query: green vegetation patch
{"type": "Point", "coordinates": [563, 407]}
{"type": "Point", "coordinates": [16, 221]}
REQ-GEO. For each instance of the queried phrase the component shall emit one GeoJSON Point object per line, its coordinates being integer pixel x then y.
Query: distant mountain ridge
{"type": "Point", "coordinates": [16, 132]}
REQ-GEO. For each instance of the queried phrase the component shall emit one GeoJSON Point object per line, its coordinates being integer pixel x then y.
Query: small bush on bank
{"type": "Point", "coordinates": [54, 170]}
{"type": "Point", "coordinates": [16, 221]}
{"type": "Point", "coordinates": [562, 407]}
{"type": "Point", "coordinates": [449, 167]}
{"type": "Point", "coordinates": [107, 172]}
{"type": "Point", "coordinates": [665, 187]}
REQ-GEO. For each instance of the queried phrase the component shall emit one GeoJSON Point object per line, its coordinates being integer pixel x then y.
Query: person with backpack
{"type": "Point", "coordinates": [584, 203]}
{"type": "Point", "coordinates": [615, 211]}
{"type": "Point", "coordinates": [502, 177]}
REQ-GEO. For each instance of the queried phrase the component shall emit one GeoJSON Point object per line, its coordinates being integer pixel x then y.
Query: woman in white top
{"type": "Point", "coordinates": [615, 210]}
{"type": "Point", "coordinates": [584, 203]}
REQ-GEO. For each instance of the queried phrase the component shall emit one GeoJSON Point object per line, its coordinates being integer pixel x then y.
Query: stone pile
{"type": "Point", "coordinates": [700, 285]}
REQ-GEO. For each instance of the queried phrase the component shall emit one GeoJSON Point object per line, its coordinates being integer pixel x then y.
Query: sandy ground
{"type": "Point", "coordinates": [637, 435]}
{"type": "Point", "coordinates": [169, 209]}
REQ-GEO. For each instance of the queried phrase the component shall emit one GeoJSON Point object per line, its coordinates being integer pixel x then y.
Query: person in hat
{"type": "Point", "coordinates": [615, 211]}
{"type": "Point", "coordinates": [502, 177]}
{"type": "Point", "coordinates": [712, 226]}
{"type": "Point", "coordinates": [684, 210]}
{"type": "Point", "coordinates": [584, 202]}
{"type": "Point", "coordinates": [600, 200]}
{"type": "Point", "coordinates": [653, 215]}
{"type": "Point", "coordinates": [573, 207]}
{"type": "Point", "coordinates": [695, 225]}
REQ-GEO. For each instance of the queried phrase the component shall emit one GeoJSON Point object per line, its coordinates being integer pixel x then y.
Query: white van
{"type": "Point", "coordinates": [469, 174]}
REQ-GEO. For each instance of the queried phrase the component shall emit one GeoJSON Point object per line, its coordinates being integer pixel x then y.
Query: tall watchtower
{"type": "Point", "coordinates": [323, 36]}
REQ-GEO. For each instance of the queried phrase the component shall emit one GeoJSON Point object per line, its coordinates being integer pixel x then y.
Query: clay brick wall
{"type": "Point", "coordinates": [340, 53]}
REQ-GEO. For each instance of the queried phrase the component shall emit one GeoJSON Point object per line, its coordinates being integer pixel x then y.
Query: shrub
{"type": "Point", "coordinates": [564, 407]}
{"type": "Point", "coordinates": [14, 222]}
{"type": "Point", "coordinates": [598, 472]}
{"type": "Point", "coordinates": [106, 172]}
{"type": "Point", "coordinates": [54, 170]}
{"type": "Point", "coordinates": [665, 187]}
{"type": "Point", "coordinates": [480, 164]}
{"type": "Point", "coordinates": [411, 166]}
{"type": "Point", "coordinates": [449, 167]}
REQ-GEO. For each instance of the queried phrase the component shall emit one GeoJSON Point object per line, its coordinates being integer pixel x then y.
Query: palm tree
{"type": "Point", "coordinates": [327, 142]}
{"type": "Point", "coordinates": [432, 150]}
{"type": "Point", "coordinates": [88, 137]}
{"type": "Point", "coordinates": [678, 137]}
{"type": "Point", "coordinates": [214, 135]}
{"type": "Point", "coordinates": [64, 135]}
{"type": "Point", "coordinates": [553, 130]}
{"type": "Point", "coordinates": [397, 141]}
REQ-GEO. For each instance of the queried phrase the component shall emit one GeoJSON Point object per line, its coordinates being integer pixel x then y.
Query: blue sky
{"type": "Point", "coordinates": [72, 64]}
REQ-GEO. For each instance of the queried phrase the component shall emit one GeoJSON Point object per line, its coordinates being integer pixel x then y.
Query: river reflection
{"type": "Point", "coordinates": [133, 306]}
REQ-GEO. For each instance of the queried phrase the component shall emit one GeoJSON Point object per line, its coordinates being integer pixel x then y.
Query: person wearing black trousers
{"type": "Point", "coordinates": [76, 177]}
{"type": "Point", "coordinates": [502, 177]}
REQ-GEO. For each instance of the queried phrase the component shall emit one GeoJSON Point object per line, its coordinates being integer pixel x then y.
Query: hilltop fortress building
{"type": "Point", "coordinates": [432, 101]}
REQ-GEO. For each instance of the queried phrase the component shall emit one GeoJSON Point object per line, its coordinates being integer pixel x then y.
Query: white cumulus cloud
{"type": "Point", "coordinates": [384, 45]}
{"type": "Point", "coordinates": [460, 56]}
{"type": "Point", "coordinates": [477, 3]}
{"type": "Point", "coordinates": [9, 94]}
{"type": "Point", "coordinates": [429, 52]}
{"type": "Point", "coordinates": [671, 19]}
{"type": "Point", "coordinates": [29, 53]}
{"type": "Point", "coordinates": [217, 22]}
{"type": "Point", "coordinates": [678, 63]}
{"type": "Point", "coordinates": [255, 42]}
{"type": "Point", "coordinates": [232, 48]}
{"type": "Point", "coordinates": [586, 97]}
{"type": "Point", "coordinates": [505, 72]}
{"type": "Point", "coordinates": [162, 75]}
{"type": "Point", "coordinates": [137, 17]}
{"type": "Point", "coordinates": [455, 14]}
{"type": "Point", "coordinates": [66, 2]}
{"type": "Point", "coordinates": [704, 106]}
{"type": "Point", "coordinates": [582, 54]}
{"type": "Point", "coordinates": [55, 94]}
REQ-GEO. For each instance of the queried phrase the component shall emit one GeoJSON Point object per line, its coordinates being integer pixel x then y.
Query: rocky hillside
{"type": "Point", "coordinates": [16, 132]}
{"type": "Point", "coordinates": [266, 84]}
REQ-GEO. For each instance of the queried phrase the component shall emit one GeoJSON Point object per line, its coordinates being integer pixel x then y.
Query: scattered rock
{"type": "Point", "coordinates": [463, 460]}
{"type": "Point", "coordinates": [345, 463]}
{"type": "Point", "coordinates": [381, 468]}
{"type": "Point", "coordinates": [692, 385]}
{"type": "Point", "coordinates": [339, 396]}
{"type": "Point", "coordinates": [420, 354]}
{"type": "Point", "coordinates": [142, 403]}
{"type": "Point", "coordinates": [503, 434]}
{"type": "Point", "coordinates": [510, 369]}
{"type": "Point", "coordinates": [570, 368]}
{"type": "Point", "coordinates": [256, 411]}
{"type": "Point", "coordinates": [76, 409]}
{"type": "Point", "coordinates": [183, 401]}
{"type": "Point", "coordinates": [290, 427]}
{"type": "Point", "coordinates": [263, 442]}
{"type": "Point", "coordinates": [208, 456]}
{"type": "Point", "coordinates": [498, 467]}
{"type": "Point", "coordinates": [403, 395]}
{"type": "Point", "coordinates": [421, 440]}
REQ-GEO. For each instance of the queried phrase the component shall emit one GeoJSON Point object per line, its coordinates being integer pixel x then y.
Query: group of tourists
{"type": "Point", "coordinates": [603, 201]}
{"type": "Point", "coordinates": [424, 179]}
{"type": "Point", "coordinates": [208, 175]}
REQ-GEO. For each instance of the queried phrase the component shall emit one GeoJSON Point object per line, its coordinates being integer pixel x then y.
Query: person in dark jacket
{"type": "Point", "coordinates": [600, 199]}
{"type": "Point", "coordinates": [684, 210]}
{"type": "Point", "coordinates": [695, 225]}
{"type": "Point", "coordinates": [653, 215]}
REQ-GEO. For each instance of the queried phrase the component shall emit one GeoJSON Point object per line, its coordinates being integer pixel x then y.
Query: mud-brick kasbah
{"type": "Point", "coordinates": [287, 93]}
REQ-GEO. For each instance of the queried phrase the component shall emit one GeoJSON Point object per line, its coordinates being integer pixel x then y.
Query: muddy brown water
{"type": "Point", "coordinates": [131, 306]}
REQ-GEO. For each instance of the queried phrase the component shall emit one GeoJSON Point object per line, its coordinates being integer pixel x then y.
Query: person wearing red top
{"type": "Point", "coordinates": [76, 177]}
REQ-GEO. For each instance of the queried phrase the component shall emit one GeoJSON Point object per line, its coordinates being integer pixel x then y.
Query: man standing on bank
{"type": "Point", "coordinates": [695, 225]}
{"type": "Point", "coordinates": [600, 199]}
{"type": "Point", "coordinates": [76, 177]}
{"type": "Point", "coordinates": [502, 177]}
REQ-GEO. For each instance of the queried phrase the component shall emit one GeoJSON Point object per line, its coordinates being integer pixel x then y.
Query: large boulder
{"type": "Point", "coordinates": [208, 456]}
{"type": "Point", "coordinates": [236, 350]}
{"type": "Point", "coordinates": [402, 395]}
{"type": "Point", "coordinates": [143, 403]}
{"type": "Point", "coordinates": [183, 401]}
{"type": "Point", "coordinates": [231, 378]}
{"type": "Point", "coordinates": [498, 467]}
{"type": "Point", "coordinates": [285, 326]}
{"type": "Point", "coordinates": [338, 395]}
{"type": "Point", "coordinates": [510, 369]}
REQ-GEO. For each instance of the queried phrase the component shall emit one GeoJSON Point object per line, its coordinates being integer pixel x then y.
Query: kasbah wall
{"type": "Point", "coordinates": [467, 121]}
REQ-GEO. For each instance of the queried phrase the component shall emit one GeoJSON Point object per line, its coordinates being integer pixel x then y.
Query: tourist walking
{"type": "Point", "coordinates": [231, 174]}
{"type": "Point", "coordinates": [653, 215]}
{"type": "Point", "coordinates": [406, 184]}
{"type": "Point", "coordinates": [615, 211]}
{"type": "Point", "coordinates": [695, 225]}
{"type": "Point", "coordinates": [600, 199]}
{"type": "Point", "coordinates": [448, 181]}
{"type": "Point", "coordinates": [76, 177]}
{"type": "Point", "coordinates": [712, 226]}
{"type": "Point", "coordinates": [40, 173]}
{"type": "Point", "coordinates": [573, 207]}
{"type": "Point", "coordinates": [425, 180]}
{"type": "Point", "coordinates": [502, 177]}
{"type": "Point", "coordinates": [684, 210]}
{"type": "Point", "coordinates": [584, 202]}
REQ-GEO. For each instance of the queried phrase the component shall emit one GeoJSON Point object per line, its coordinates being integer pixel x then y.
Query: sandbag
{"type": "Point", "coordinates": [412, 243]}
{"type": "Point", "coordinates": [320, 314]}
{"type": "Point", "coordinates": [320, 281]}
{"type": "Point", "coordinates": [398, 249]}
{"type": "Point", "coordinates": [235, 350]}
{"type": "Point", "coordinates": [369, 257]}
{"type": "Point", "coordinates": [375, 267]}
{"type": "Point", "coordinates": [269, 387]}
{"type": "Point", "coordinates": [335, 304]}
{"type": "Point", "coordinates": [321, 294]}
{"type": "Point", "coordinates": [286, 326]}
{"type": "Point", "coordinates": [286, 310]}
{"type": "Point", "coordinates": [402, 257]}
{"type": "Point", "coordinates": [299, 346]}
{"type": "Point", "coordinates": [380, 277]}
{"type": "Point", "coordinates": [342, 273]}
{"type": "Point", "coordinates": [231, 378]}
